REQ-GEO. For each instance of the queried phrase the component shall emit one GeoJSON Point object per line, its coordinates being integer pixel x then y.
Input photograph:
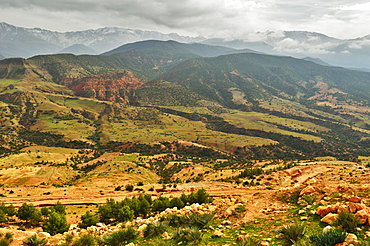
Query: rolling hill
{"type": "Point", "coordinates": [249, 105]}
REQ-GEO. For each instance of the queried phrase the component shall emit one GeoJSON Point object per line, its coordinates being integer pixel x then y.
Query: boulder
{"type": "Point", "coordinates": [323, 210]}
{"type": "Point", "coordinates": [264, 243]}
{"type": "Point", "coordinates": [329, 218]}
{"type": "Point", "coordinates": [343, 207]}
{"type": "Point", "coordinates": [363, 215]}
{"type": "Point", "coordinates": [165, 236]}
{"type": "Point", "coordinates": [352, 207]}
{"type": "Point", "coordinates": [43, 234]}
{"type": "Point", "coordinates": [217, 233]}
{"type": "Point", "coordinates": [351, 239]}
{"type": "Point", "coordinates": [327, 228]}
{"type": "Point", "coordinates": [307, 191]}
{"type": "Point", "coordinates": [355, 199]}
{"type": "Point", "coordinates": [360, 206]}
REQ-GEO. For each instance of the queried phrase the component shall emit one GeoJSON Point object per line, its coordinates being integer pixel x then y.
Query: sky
{"type": "Point", "coordinates": [209, 18]}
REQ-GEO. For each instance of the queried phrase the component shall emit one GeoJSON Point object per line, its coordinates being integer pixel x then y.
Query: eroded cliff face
{"type": "Point", "coordinates": [114, 87]}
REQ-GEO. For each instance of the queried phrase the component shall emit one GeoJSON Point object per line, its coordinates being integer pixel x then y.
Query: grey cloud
{"type": "Point", "coordinates": [236, 18]}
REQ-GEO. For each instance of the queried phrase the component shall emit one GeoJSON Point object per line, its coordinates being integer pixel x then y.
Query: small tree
{"type": "Point", "coordinates": [57, 223]}
{"type": "Point", "coordinates": [177, 202]}
{"type": "Point", "coordinates": [60, 208]}
{"type": "Point", "coordinates": [29, 213]}
{"type": "Point", "coordinates": [88, 219]}
{"type": "Point", "coordinates": [125, 213]}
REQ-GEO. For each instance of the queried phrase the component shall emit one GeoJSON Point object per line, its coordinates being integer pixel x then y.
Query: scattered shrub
{"type": "Point", "coordinates": [187, 235]}
{"type": "Point", "coordinates": [88, 219]}
{"type": "Point", "coordinates": [35, 240]}
{"type": "Point", "coordinates": [329, 238]}
{"type": "Point", "coordinates": [155, 229]}
{"type": "Point", "coordinates": [85, 240]}
{"type": "Point", "coordinates": [309, 199]}
{"type": "Point", "coordinates": [347, 221]}
{"type": "Point", "coordinates": [248, 241]}
{"type": "Point", "coordinates": [121, 237]}
{"type": "Point", "coordinates": [129, 187]}
{"type": "Point", "coordinates": [292, 234]}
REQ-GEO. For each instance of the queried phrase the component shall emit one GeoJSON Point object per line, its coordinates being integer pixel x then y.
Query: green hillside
{"type": "Point", "coordinates": [250, 105]}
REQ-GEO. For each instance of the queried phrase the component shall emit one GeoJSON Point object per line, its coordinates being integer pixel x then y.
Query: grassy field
{"type": "Point", "coordinates": [268, 123]}
{"type": "Point", "coordinates": [71, 129]}
{"type": "Point", "coordinates": [172, 127]}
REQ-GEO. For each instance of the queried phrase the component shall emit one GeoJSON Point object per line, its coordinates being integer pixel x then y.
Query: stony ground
{"type": "Point", "coordinates": [329, 181]}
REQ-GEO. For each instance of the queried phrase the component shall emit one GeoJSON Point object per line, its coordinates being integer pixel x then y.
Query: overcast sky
{"type": "Point", "coordinates": [210, 18]}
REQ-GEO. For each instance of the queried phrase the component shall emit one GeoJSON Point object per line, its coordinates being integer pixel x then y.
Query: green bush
{"type": "Point", "coordinates": [309, 199]}
{"type": "Point", "coordinates": [57, 223]}
{"type": "Point", "coordinates": [121, 237]}
{"type": "Point", "coordinates": [29, 213]}
{"type": "Point", "coordinates": [347, 221]}
{"type": "Point", "coordinates": [88, 219]}
{"type": "Point", "coordinates": [6, 239]}
{"type": "Point", "coordinates": [129, 187]}
{"type": "Point", "coordinates": [35, 240]}
{"type": "Point", "coordinates": [188, 235]}
{"type": "Point", "coordinates": [248, 241]}
{"type": "Point", "coordinates": [85, 240]}
{"type": "Point", "coordinates": [329, 238]}
{"type": "Point", "coordinates": [195, 219]}
{"type": "Point", "coordinates": [292, 234]}
{"type": "Point", "coordinates": [155, 229]}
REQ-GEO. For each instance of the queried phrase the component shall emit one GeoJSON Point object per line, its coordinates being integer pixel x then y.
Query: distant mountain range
{"type": "Point", "coordinates": [27, 42]}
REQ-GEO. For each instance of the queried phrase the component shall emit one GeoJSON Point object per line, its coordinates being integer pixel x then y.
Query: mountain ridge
{"type": "Point", "coordinates": [351, 53]}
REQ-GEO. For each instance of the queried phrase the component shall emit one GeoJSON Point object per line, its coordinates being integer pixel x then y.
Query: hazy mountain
{"type": "Point", "coordinates": [27, 42]}
{"type": "Point", "coordinates": [351, 53]}
{"type": "Point", "coordinates": [172, 47]}
{"type": "Point", "coordinates": [316, 60]}
{"type": "Point", "coordinates": [2, 57]}
{"type": "Point", "coordinates": [79, 49]}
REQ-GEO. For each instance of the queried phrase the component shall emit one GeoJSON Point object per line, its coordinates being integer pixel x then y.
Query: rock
{"type": "Point", "coordinates": [355, 199]}
{"type": "Point", "coordinates": [343, 207]}
{"type": "Point", "coordinates": [43, 234]}
{"type": "Point", "coordinates": [264, 243]}
{"type": "Point", "coordinates": [327, 228]}
{"type": "Point", "coordinates": [99, 225]}
{"type": "Point", "coordinates": [342, 244]}
{"type": "Point", "coordinates": [165, 236]}
{"type": "Point", "coordinates": [301, 211]}
{"type": "Point", "coordinates": [363, 215]}
{"type": "Point", "coordinates": [334, 208]}
{"type": "Point", "coordinates": [130, 244]}
{"type": "Point", "coordinates": [323, 210]}
{"type": "Point", "coordinates": [351, 239]}
{"type": "Point", "coordinates": [360, 206]}
{"type": "Point", "coordinates": [352, 207]}
{"type": "Point", "coordinates": [329, 218]}
{"type": "Point", "coordinates": [307, 190]}
{"type": "Point", "coordinates": [217, 233]}
{"type": "Point", "coordinates": [304, 218]}
{"type": "Point", "coordinates": [226, 222]}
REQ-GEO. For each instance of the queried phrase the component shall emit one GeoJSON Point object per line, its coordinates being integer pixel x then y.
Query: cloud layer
{"type": "Point", "coordinates": [212, 18]}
